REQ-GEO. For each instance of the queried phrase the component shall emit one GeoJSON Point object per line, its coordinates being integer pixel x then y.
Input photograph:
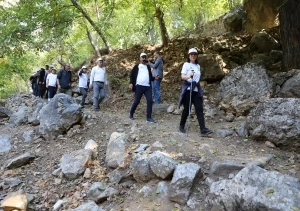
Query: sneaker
{"type": "Point", "coordinates": [150, 120]}
{"type": "Point", "coordinates": [206, 131]}
{"type": "Point", "coordinates": [181, 129]}
{"type": "Point", "coordinates": [131, 117]}
{"type": "Point", "coordinates": [96, 109]}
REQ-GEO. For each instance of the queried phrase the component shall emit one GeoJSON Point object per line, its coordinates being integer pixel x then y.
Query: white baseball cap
{"type": "Point", "coordinates": [84, 67]}
{"type": "Point", "coordinates": [143, 54]}
{"type": "Point", "coordinates": [193, 50]}
{"type": "Point", "coordinates": [100, 59]}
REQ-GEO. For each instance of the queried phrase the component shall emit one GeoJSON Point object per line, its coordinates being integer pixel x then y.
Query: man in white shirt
{"type": "Point", "coordinates": [83, 84]}
{"type": "Point", "coordinates": [97, 81]}
{"type": "Point", "coordinates": [140, 83]}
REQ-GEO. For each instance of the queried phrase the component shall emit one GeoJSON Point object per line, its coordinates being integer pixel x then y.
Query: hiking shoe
{"type": "Point", "coordinates": [96, 109]}
{"type": "Point", "coordinates": [206, 131]}
{"type": "Point", "coordinates": [150, 120]}
{"type": "Point", "coordinates": [181, 129]}
{"type": "Point", "coordinates": [131, 117]}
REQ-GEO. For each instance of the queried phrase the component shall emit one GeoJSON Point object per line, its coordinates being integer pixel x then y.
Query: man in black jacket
{"type": "Point", "coordinates": [140, 83]}
{"type": "Point", "coordinates": [64, 78]}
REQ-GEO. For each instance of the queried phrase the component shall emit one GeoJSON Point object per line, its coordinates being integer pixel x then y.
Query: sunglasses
{"type": "Point", "coordinates": [144, 57]}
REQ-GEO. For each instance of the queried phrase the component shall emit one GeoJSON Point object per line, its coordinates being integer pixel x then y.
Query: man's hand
{"type": "Point", "coordinates": [91, 87]}
{"type": "Point", "coordinates": [157, 77]}
{"type": "Point", "coordinates": [130, 86]}
{"type": "Point", "coordinates": [58, 86]}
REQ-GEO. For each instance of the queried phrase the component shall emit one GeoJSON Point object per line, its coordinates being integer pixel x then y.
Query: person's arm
{"type": "Point", "coordinates": [184, 73]}
{"type": "Point", "coordinates": [92, 78]}
{"type": "Point", "coordinates": [133, 77]}
{"type": "Point", "coordinates": [156, 63]}
{"type": "Point", "coordinates": [58, 78]}
{"type": "Point", "coordinates": [105, 77]}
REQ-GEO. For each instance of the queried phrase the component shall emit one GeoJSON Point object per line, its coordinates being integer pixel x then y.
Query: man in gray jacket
{"type": "Point", "coordinates": [157, 73]}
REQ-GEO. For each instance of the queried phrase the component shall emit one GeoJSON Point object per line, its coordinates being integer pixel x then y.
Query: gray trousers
{"type": "Point", "coordinates": [98, 94]}
{"type": "Point", "coordinates": [83, 91]}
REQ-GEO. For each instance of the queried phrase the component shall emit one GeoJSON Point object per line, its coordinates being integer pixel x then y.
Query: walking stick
{"type": "Point", "coordinates": [189, 116]}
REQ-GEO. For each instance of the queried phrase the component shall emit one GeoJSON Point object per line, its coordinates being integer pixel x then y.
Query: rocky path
{"type": "Point", "coordinates": [44, 190]}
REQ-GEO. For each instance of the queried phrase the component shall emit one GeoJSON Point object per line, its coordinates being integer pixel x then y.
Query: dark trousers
{"type": "Point", "coordinates": [51, 91]}
{"type": "Point", "coordinates": [42, 90]}
{"type": "Point", "coordinates": [139, 92]}
{"type": "Point", "coordinates": [83, 91]}
{"type": "Point", "coordinates": [198, 103]}
{"type": "Point", "coordinates": [35, 89]}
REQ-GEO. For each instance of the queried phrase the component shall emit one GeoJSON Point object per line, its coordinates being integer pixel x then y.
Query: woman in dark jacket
{"type": "Point", "coordinates": [190, 75]}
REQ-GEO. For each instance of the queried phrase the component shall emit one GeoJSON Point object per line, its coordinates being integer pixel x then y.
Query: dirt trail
{"type": "Point", "coordinates": [47, 189]}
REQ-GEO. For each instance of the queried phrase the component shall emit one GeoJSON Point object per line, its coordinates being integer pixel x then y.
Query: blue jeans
{"type": "Point", "coordinates": [139, 92]}
{"type": "Point", "coordinates": [156, 90]}
{"type": "Point", "coordinates": [98, 94]}
{"type": "Point", "coordinates": [83, 91]}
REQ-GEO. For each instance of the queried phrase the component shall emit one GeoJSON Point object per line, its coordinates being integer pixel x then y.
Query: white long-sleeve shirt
{"type": "Point", "coordinates": [83, 80]}
{"type": "Point", "coordinates": [98, 74]}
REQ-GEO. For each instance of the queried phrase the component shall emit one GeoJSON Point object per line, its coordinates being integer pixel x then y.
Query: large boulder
{"type": "Point", "coordinates": [243, 88]}
{"type": "Point", "coordinates": [211, 67]}
{"type": "Point", "coordinates": [184, 178]}
{"type": "Point", "coordinates": [264, 42]}
{"type": "Point", "coordinates": [291, 88]}
{"type": "Point", "coordinates": [74, 164]}
{"type": "Point", "coordinates": [115, 152]}
{"type": "Point", "coordinates": [233, 20]}
{"type": "Point", "coordinates": [276, 120]}
{"type": "Point", "coordinates": [60, 114]}
{"type": "Point", "coordinates": [254, 188]}
{"type": "Point", "coordinates": [5, 143]}
{"type": "Point", "coordinates": [33, 119]}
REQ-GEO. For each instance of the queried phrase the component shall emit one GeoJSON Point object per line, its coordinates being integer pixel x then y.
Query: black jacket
{"type": "Point", "coordinates": [134, 74]}
{"type": "Point", "coordinates": [64, 78]}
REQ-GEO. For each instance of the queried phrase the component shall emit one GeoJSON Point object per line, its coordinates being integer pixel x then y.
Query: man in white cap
{"type": "Point", "coordinates": [83, 84]}
{"type": "Point", "coordinates": [140, 83]}
{"type": "Point", "coordinates": [97, 81]}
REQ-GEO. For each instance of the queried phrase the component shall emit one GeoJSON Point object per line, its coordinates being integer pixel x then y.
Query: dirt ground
{"type": "Point", "coordinates": [46, 189]}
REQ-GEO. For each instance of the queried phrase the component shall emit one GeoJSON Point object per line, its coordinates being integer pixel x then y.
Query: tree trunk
{"type": "Point", "coordinates": [90, 37]}
{"type": "Point", "coordinates": [163, 29]}
{"type": "Point", "coordinates": [289, 17]}
{"type": "Point", "coordinates": [88, 18]}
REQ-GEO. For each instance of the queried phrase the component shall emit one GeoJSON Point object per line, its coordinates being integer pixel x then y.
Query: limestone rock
{"type": "Point", "coordinates": [92, 145]}
{"type": "Point", "coordinates": [291, 88]}
{"type": "Point", "coordinates": [4, 112]}
{"type": "Point", "coordinates": [115, 152]}
{"type": "Point", "coordinates": [20, 161]}
{"type": "Point", "coordinates": [184, 177]}
{"type": "Point", "coordinates": [88, 206]}
{"type": "Point", "coordinates": [224, 169]}
{"type": "Point", "coordinates": [99, 192]}
{"type": "Point", "coordinates": [141, 168]}
{"type": "Point", "coordinates": [5, 144]}
{"type": "Point", "coordinates": [162, 164]}
{"type": "Point", "coordinates": [74, 164]}
{"type": "Point", "coordinates": [254, 188]}
{"type": "Point", "coordinates": [224, 133]}
{"type": "Point", "coordinates": [28, 135]}
{"type": "Point", "coordinates": [14, 201]}
{"type": "Point", "coordinates": [276, 120]}
{"type": "Point", "coordinates": [243, 88]}
{"type": "Point", "coordinates": [59, 115]}
{"type": "Point", "coordinates": [211, 67]}
{"type": "Point", "coordinates": [264, 42]}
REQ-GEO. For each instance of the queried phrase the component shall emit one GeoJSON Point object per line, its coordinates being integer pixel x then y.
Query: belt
{"type": "Point", "coordinates": [99, 82]}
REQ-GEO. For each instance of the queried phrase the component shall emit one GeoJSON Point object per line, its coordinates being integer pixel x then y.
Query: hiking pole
{"type": "Point", "coordinates": [190, 104]}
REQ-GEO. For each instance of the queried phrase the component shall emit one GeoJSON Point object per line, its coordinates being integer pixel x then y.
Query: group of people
{"type": "Point", "coordinates": [46, 83]}
{"type": "Point", "coordinates": [142, 78]}
{"type": "Point", "coordinates": [145, 80]}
